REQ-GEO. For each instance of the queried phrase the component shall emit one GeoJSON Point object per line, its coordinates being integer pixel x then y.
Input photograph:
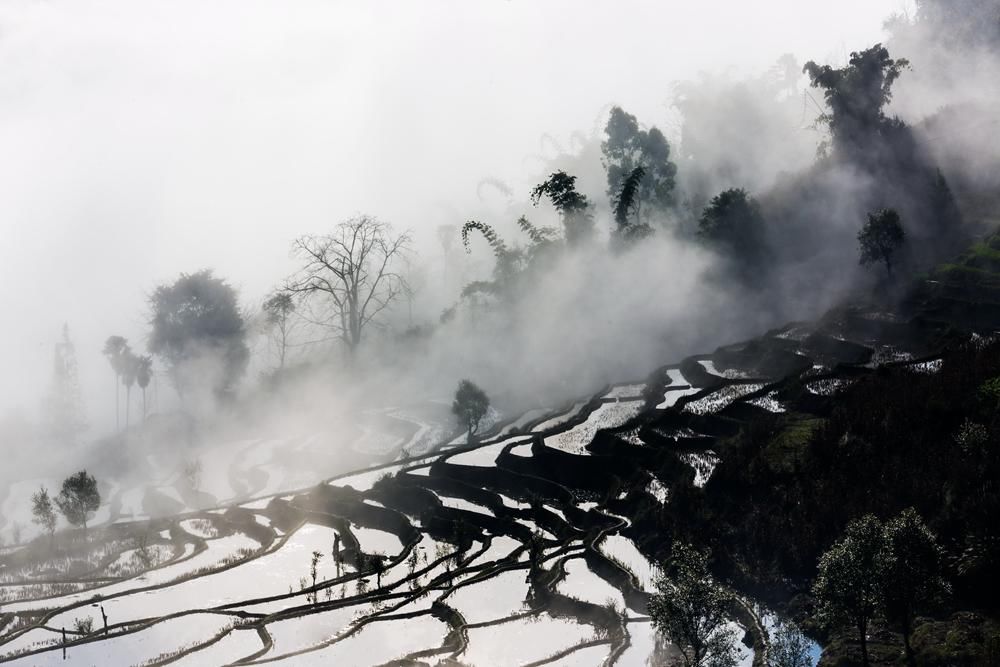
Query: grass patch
{"type": "Point", "coordinates": [966, 275]}
{"type": "Point", "coordinates": [989, 250]}
{"type": "Point", "coordinates": [979, 265]}
{"type": "Point", "coordinates": [787, 449]}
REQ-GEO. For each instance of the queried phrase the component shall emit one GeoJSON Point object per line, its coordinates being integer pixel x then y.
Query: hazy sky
{"type": "Point", "coordinates": [144, 138]}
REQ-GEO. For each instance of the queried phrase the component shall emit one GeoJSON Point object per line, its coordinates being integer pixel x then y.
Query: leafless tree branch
{"type": "Point", "coordinates": [350, 273]}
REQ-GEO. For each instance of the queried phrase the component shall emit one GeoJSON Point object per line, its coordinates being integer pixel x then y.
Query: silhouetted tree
{"type": "Point", "coordinates": [379, 565]}
{"type": "Point", "coordinates": [130, 373]}
{"type": "Point", "coordinates": [510, 262]}
{"type": "Point", "coordinates": [912, 565]}
{"type": "Point", "coordinates": [560, 189]}
{"type": "Point", "coordinates": [143, 375]}
{"type": "Point", "coordinates": [627, 147]}
{"type": "Point", "coordinates": [880, 238]}
{"type": "Point", "coordinates": [278, 309]}
{"type": "Point", "coordinates": [470, 405]}
{"type": "Point", "coordinates": [788, 647]}
{"type": "Point", "coordinates": [199, 332]}
{"type": "Point", "coordinates": [496, 243]}
{"type": "Point", "coordinates": [314, 573]}
{"type": "Point", "coordinates": [43, 513]}
{"type": "Point", "coordinates": [732, 223]}
{"type": "Point", "coordinates": [627, 203]}
{"type": "Point", "coordinates": [541, 237]}
{"type": "Point", "coordinates": [352, 271]}
{"type": "Point", "coordinates": [115, 350]}
{"type": "Point", "coordinates": [78, 498]}
{"type": "Point", "coordinates": [849, 586]}
{"type": "Point", "coordinates": [626, 200]}
{"type": "Point", "coordinates": [692, 610]}
{"type": "Point", "coordinates": [857, 95]}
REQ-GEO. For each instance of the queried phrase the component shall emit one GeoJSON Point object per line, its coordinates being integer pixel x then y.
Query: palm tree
{"type": "Point", "coordinates": [144, 373]}
{"type": "Point", "coordinates": [115, 349]}
{"type": "Point", "coordinates": [129, 374]}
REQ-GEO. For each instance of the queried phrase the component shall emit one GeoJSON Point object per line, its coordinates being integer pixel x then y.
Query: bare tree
{"type": "Point", "coordinates": [351, 273]}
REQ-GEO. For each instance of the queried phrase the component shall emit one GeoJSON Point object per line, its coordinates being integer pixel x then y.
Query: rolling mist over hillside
{"type": "Point", "coordinates": [328, 322]}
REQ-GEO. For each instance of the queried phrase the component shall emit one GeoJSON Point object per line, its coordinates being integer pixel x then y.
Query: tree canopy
{"type": "Point", "coordinates": [42, 510]}
{"type": "Point", "coordinates": [880, 237]}
{"type": "Point", "coordinates": [856, 96]}
{"type": "Point", "coordinates": [78, 498]}
{"type": "Point", "coordinates": [788, 647]}
{"type": "Point", "coordinates": [911, 567]}
{"type": "Point", "coordinates": [470, 406]}
{"type": "Point", "coordinates": [278, 310]}
{"type": "Point", "coordinates": [892, 568]}
{"type": "Point", "coordinates": [626, 147]}
{"type": "Point", "coordinates": [733, 224]}
{"type": "Point", "coordinates": [574, 207]}
{"type": "Point", "coordinates": [692, 610]}
{"type": "Point", "coordinates": [626, 205]}
{"type": "Point", "coordinates": [848, 586]}
{"type": "Point", "coordinates": [199, 332]}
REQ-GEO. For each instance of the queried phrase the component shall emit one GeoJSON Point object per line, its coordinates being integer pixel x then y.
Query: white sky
{"type": "Point", "coordinates": [145, 138]}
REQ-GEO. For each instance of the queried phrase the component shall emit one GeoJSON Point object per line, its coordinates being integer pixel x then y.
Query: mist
{"type": "Point", "coordinates": [148, 142]}
{"type": "Point", "coordinates": [500, 332]}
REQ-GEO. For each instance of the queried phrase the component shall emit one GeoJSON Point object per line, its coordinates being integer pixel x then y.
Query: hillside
{"type": "Point", "coordinates": [539, 545]}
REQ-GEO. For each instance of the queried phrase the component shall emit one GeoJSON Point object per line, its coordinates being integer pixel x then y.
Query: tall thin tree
{"type": "Point", "coordinates": [144, 374]}
{"type": "Point", "coordinates": [129, 374]}
{"type": "Point", "coordinates": [278, 310]}
{"type": "Point", "coordinates": [115, 349]}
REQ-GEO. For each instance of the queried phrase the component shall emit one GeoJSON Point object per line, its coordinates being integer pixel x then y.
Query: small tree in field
{"type": "Point", "coordinates": [43, 513]}
{"type": "Point", "coordinates": [880, 238]}
{"type": "Point", "coordinates": [78, 498]}
{"type": "Point", "coordinates": [788, 647]}
{"type": "Point", "coordinates": [911, 572]}
{"type": "Point", "coordinates": [470, 405]}
{"type": "Point", "coordinates": [894, 568]}
{"type": "Point", "coordinates": [849, 587]}
{"type": "Point", "coordinates": [692, 610]}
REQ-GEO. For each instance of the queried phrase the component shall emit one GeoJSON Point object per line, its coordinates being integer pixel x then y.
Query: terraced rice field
{"type": "Point", "coordinates": [511, 552]}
